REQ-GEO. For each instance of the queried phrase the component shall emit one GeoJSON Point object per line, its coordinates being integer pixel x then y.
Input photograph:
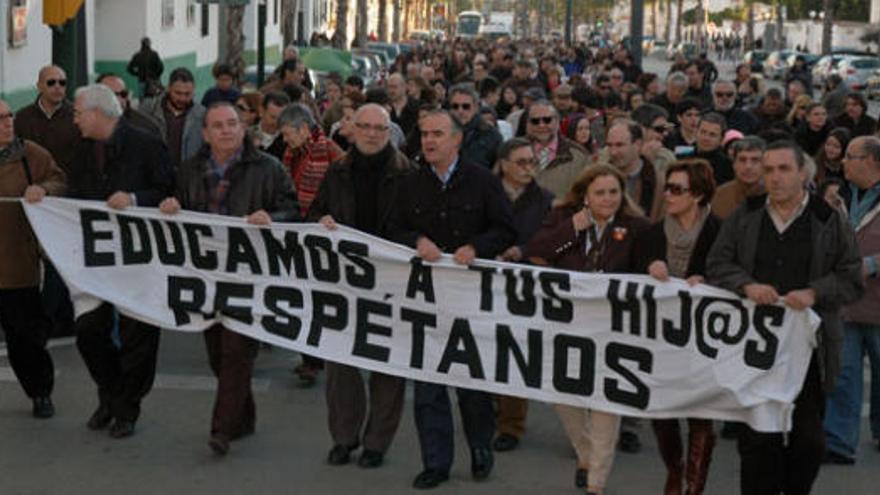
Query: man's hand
{"type": "Point", "coordinates": [513, 253]}
{"type": "Point", "coordinates": [328, 222]}
{"type": "Point", "coordinates": [761, 293]}
{"type": "Point", "coordinates": [34, 194]}
{"type": "Point", "coordinates": [465, 255]}
{"type": "Point", "coordinates": [169, 206]}
{"type": "Point", "coordinates": [259, 217]}
{"type": "Point", "coordinates": [800, 299]}
{"type": "Point", "coordinates": [119, 200]}
{"type": "Point", "coordinates": [427, 250]}
{"type": "Point", "coordinates": [659, 270]}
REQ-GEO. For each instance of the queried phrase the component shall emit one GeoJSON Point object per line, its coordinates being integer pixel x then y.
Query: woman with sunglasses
{"type": "Point", "coordinates": [677, 246]}
{"type": "Point", "coordinates": [248, 106]}
{"type": "Point", "coordinates": [593, 230]}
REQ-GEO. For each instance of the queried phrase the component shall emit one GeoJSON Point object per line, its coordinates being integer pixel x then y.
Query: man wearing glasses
{"type": "Point", "coordinates": [724, 103]}
{"type": "Point", "coordinates": [481, 141]}
{"type": "Point", "coordinates": [135, 117]}
{"type": "Point", "coordinates": [560, 160]}
{"type": "Point", "coordinates": [360, 191]}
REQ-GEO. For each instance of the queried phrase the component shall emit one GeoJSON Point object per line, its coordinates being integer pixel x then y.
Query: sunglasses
{"type": "Point", "coordinates": [462, 106]}
{"type": "Point", "coordinates": [675, 189]}
{"type": "Point", "coordinates": [53, 82]}
{"type": "Point", "coordinates": [122, 94]}
{"type": "Point", "coordinates": [661, 129]}
{"type": "Point", "coordinates": [539, 120]}
{"type": "Point", "coordinates": [724, 94]}
{"type": "Point", "coordinates": [243, 108]}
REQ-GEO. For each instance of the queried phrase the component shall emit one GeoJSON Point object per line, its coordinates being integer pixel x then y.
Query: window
{"type": "Point", "coordinates": [190, 13]}
{"type": "Point", "coordinates": [167, 14]}
{"type": "Point", "coordinates": [205, 20]}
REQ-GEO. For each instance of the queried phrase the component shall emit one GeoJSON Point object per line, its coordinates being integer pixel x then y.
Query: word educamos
{"type": "Point", "coordinates": [141, 241]}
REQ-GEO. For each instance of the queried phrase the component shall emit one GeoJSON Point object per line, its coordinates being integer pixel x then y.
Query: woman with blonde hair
{"type": "Point", "coordinates": [592, 230]}
{"type": "Point", "coordinates": [798, 113]}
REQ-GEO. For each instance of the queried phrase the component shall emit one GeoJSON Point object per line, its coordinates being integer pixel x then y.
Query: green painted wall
{"type": "Point", "coordinates": [20, 97]}
{"type": "Point", "coordinates": [202, 74]}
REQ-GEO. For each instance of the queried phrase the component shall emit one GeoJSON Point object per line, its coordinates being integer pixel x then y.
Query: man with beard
{"type": "Point", "coordinates": [179, 117]}
{"type": "Point", "coordinates": [724, 104]}
{"type": "Point", "coordinates": [560, 160]}
{"type": "Point", "coordinates": [360, 191]}
{"type": "Point", "coordinates": [771, 113]}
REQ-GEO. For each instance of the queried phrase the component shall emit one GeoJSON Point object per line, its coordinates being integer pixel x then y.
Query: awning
{"type": "Point", "coordinates": [58, 12]}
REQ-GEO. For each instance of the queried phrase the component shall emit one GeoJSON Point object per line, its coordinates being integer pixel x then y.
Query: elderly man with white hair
{"type": "Point", "coordinates": [359, 191]}
{"type": "Point", "coordinates": [724, 103]}
{"type": "Point", "coordinates": [124, 166]}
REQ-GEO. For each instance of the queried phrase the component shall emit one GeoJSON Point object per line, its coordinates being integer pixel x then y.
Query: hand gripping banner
{"type": "Point", "coordinates": [624, 344]}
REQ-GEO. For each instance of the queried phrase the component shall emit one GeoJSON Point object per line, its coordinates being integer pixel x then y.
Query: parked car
{"type": "Point", "coordinates": [872, 85]}
{"type": "Point", "coordinates": [390, 49]}
{"type": "Point", "coordinates": [755, 59]}
{"type": "Point", "coordinates": [855, 71]}
{"type": "Point", "coordinates": [809, 58]}
{"type": "Point", "coordinates": [689, 50]}
{"type": "Point", "coordinates": [824, 67]}
{"type": "Point", "coordinates": [774, 66]}
{"type": "Point", "coordinates": [365, 67]}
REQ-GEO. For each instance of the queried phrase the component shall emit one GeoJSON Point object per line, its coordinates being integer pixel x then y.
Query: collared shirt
{"type": "Point", "coordinates": [218, 183]}
{"type": "Point", "coordinates": [634, 179]}
{"type": "Point", "coordinates": [595, 233]}
{"type": "Point", "coordinates": [265, 138]}
{"type": "Point", "coordinates": [783, 225]}
{"type": "Point", "coordinates": [445, 177]}
{"type": "Point", "coordinates": [546, 153]}
{"type": "Point", "coordinates": [46, 112]}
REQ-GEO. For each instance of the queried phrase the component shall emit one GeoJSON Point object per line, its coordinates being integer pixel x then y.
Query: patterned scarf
{"type": "Point", "coordinates": [680, 243]}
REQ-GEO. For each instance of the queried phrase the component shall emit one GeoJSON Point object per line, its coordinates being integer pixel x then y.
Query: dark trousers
{"type": "Point", "coordinates": [769, 465]}
{"type": "Point", "coordinates": [27, 328]}
{"type": "Point", "coordinates": [434, 422]}
{"type": "Point", "coordinates": [231, 356]}
{"type": "Point", "coordinates": [124, 373]}
{"type": "Point", "coordinates": [56, 302]}
{"type": "Point", "coordinates": [347, 407]}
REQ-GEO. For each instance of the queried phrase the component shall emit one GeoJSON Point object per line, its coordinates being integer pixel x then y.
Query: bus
{"type": "Point", "coordinates": [469, 23]}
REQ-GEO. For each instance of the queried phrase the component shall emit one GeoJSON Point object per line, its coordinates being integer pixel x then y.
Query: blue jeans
{"type": "Point", "coordinates": [843, 415]}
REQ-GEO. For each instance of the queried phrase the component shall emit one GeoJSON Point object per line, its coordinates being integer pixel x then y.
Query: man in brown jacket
{"type": "Point", "coordinates": [28, 170]}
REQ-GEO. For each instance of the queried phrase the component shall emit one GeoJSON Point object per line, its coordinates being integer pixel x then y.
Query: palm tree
{"type": "Point", "coordinates": [750, 27]}
{"type": "Point", "coordinates": [340, 40]}
{"type": "Point", "coordinates": [361, 24]}
{"type": "Point", "coordinates": [827, 25]}
{"type": "Point", "coordinates": [382, 27]}
{"type": "Point", "coordinates": [678, 22]}
{"type": "Point", "coordinates": [668, 21]}
{"type": "Point", "coordinates": [395, 19]}
{"type": "Point", "coordinates": [235, 39]}
{"type": "Point", "coordinates": [654, 18]}
{"type": "Point", "coordinates": [288, 16]}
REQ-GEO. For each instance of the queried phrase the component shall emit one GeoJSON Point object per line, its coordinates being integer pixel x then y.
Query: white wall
{"type": "Point", "coordinates": [19, 66]}
{"type": "Point", "coordinates": [119, 25]}
{"type": "Point", "coordinates": [273, 30]}
{"type": "Point", "coordinates": [180, 39]}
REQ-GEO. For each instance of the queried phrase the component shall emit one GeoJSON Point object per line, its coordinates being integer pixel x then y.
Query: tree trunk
{"type": "Point", "coordinates": [288, 21]}
{"type": "Point", "coordinates": [362, 24]}
{"type": "Point", "coordinates": [395, 20]}
{"type": "Point", "coordinates": [678, 22]}
{"type": "Point", "coordinates": [340, 40]}
{"type": "Point", "coordinates": [235, 40]}
{"type": "Point", "coordinates": [750, 27]}
{"type": "Point", "coordinates": [827, 26]}
{"type": "Point", "coordinates": [700, 26]}
{"type": "Point", "coordinates": [668, 36]}
{"type": "Point", "coordinates": [382, 25]}
{"type": "Point", "coordinates": [654, 19]}
{"type": "Point", "coordinates": [780, 24]}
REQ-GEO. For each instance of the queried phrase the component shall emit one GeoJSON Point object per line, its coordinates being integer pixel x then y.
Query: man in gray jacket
{"type": "Point", "coordinates": [789, 246]}
{"type": "Point", "coordinates": [179, 116]}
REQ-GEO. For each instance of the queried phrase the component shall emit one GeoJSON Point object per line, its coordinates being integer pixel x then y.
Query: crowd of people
{"type": "Point", "coordinates": [527, 152]}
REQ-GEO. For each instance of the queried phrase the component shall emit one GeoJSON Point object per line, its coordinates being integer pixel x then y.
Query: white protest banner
{"type": "Point", "coordinates": [624, 344]}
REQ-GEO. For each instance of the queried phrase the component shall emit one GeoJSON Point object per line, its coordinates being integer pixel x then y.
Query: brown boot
{"type": "Point", "coordinates": [668, 435]}
{"type": "Point", "coordinates": [701, 441]}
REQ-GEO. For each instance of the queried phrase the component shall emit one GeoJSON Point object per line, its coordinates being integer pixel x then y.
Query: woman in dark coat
{"type": "Point", "coordinates": [593, 230]}
{"type": "Point", "coordinates": [677, 246]}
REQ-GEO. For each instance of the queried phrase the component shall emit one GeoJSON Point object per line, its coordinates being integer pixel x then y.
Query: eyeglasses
{"type": "Point", "coordinates": [525, 162]}
{"type": "Point", "coordinates": [539, 120]}
{"type": "Point", "coordinates": [661, 129]}
{"type": "Point", "coordinates": [53, 82]}
{"type": "Point", "coordinates": [463, 106]}
{"type": "Point", "coordinates": [724, 94]}
{"type": "Point", "coordinates": [675, 189]}
{"type": "Point", "coordinates": [122, 93]}
{"type": "Point", "coordinates": [854, 157]}
{"type": "Point", "coordinates": [244, 108]}
{"type": "Point", "coordinates": [367, 127]}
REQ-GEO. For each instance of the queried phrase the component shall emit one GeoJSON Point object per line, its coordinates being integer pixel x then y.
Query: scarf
{"type": "Point", "coordinates": [13, 152]}
{"type": "Point", "coordinates": [680, 243]}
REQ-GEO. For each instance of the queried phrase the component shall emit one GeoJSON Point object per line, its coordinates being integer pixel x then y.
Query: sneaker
{"type": "Point", "coordinates": [43, 407]}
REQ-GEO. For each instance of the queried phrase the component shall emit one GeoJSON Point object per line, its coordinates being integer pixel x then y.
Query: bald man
{"type": "Point", "coordinates": [135, 117]}
{"type": "Point", "coordinates": [359, 191]}
{"type": "Point", "coordinates": [404, 110]}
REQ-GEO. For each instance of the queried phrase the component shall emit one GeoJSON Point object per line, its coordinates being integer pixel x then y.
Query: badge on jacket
{"type": "Point", "coordinates": [618, 234]}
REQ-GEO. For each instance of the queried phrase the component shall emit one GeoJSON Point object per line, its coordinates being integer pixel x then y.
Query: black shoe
{"type": "Point", "coordinates": [371, 459]}
{"type": "Point", "coordinates": [730, 430]}
{"type": "Point", "coordinates": [340, 454]}
{"type": "Point", "coordinates": [629, 443]}
{"type": "Point", "coordinates": [429, 478]}
{"type": "Point", "coordinates": [100, 418]}
{"type": "Point", "coordinates": [832, 457]}
{"type": "Point", "coordinates": [43, 408]}
{"type": "Point", "coordinates": [580, 478]}
{"type": "Point", "coordinates": [482, 461]}
{"type": "Point", "coordinates": [122, 428]}
{"type": "Point", "coordinates": [219, 444]}
{"type": "Point", "coordinates": [505, 442]}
